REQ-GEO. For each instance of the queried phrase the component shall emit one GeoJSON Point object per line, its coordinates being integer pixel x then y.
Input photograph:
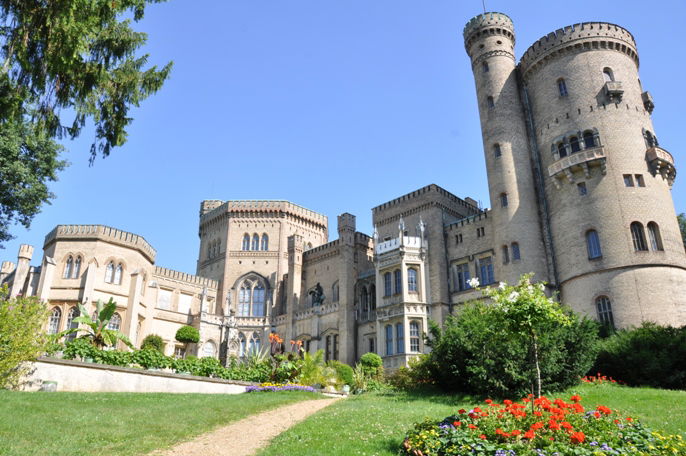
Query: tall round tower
{"type": "Point", "coordinates": [607, 179]}
{"type": "Point", "coordinates": [489, 41]}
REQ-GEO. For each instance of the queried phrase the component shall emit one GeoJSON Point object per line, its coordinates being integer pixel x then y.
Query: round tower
{"type": "Point", "coordinates": [607, 178]}
{"type": "Point", "coordinates": [489, 41]}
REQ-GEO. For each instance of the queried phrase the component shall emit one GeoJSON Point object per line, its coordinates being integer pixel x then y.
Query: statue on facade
{"type": "Point", "coordinates": [317, 294]}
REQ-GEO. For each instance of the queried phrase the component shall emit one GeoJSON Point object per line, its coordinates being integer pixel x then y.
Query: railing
{"type": "Point", "coordinates": [614, 90]}
{"type": "Point", "coordinates": [392, 244]}
{"type": "Point", "coordinates": [251, 321]}
{"type": "Point", "coordinates": [662, 162]}
{"type": "Point", "coordinates": [576, 159]}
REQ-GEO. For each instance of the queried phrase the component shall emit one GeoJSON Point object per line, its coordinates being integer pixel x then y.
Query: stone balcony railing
{"type": "Point", "coordinates": [251, 321]}
{"type": "Point", "coordinates": [614, 91]}
{"type": "Point", "coordinates": [661, 162]}
{"type": "Point", "coordinates": [392, 244]}
{"type": "Point", "coordinates": [582, 160]}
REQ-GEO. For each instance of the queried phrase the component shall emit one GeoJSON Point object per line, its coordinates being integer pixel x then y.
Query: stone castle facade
{"type": "Point", "coordinates": [580, 195]}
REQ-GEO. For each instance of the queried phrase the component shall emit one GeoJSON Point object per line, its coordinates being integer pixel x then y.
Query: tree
{"type": "Point", "coordinates": [96, 326]}
{"type": "Point", "coordinates": [64, 58]}
{"type": "Point", "coordinates": [681, 218]}
{"type": "Point", "coordinates": [21, 337]}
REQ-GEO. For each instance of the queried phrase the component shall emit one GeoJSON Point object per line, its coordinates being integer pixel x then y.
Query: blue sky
{"type": "Point", "coordinates": [337, 106]}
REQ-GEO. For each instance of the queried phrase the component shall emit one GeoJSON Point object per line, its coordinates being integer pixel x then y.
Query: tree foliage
{"type": "Point", "coordinates": [95, 327]}
{"type": "Point", "coordinates": [64, 62]}
{"type": "Point", "coordinates": [188, 334]}
{"type": "Point", "coordinates": [21, 337]}
{"type": "Point", "coordinates": [681, 218]}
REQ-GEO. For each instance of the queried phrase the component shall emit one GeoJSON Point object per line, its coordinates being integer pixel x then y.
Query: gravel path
{"type": "Point", "coordinates": [245, 437]}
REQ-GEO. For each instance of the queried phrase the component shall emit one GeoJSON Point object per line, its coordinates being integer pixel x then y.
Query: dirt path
{"type": "Point", "coordinates": [245, 437]}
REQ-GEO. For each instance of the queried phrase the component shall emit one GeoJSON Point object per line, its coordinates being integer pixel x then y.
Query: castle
{"type": "Point", "coordinates": [580, 195]}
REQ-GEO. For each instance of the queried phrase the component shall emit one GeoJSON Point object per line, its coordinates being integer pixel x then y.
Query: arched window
{"type": "Point", "coordinates": [654, 236]}
{"type": "Point", "coordinates": [109, 272]}
{"type": "Point", "coordinates": [265, 242]}
{"type": "Point", "coordinates": [485, 67]}
{"type": "Point", "coordinates": [254, 345]}
{"type": "Point", "coordinates": [608, 75]}
{"type": "Point", "coordinates": [244, 294]}
{"type": "Point", "coordinates": [242, 345]}
{"type": "Point", "coordinates": [209, 250]}
{"type": "Point", "coordinates": [258, 301]}
{"type": "Point", "coordinates": [209, 349]}
{"type": "Point", "coordinates": [309, 246]}
{"type": "Point", "coordinates": [334, 292]}
{"type": "Point", "coordinates": [496, 150]}
{"type": "Point", "coordinates": [255, 242]}
{"type": "Point", "coordinates": [68, 267]}
{"type": "Point", "coordinates": [651, 140]}
{"type": "Point", "coordinates": [115, 322]}
{"type": "Point", "coordinates": [414, 336]}
{"type": "Point", "coordinates": [246, 242]}
{"type": "Point", "coordinates": [399, 338]}
{"type": "Point", "coordinates": [54, 322]}
{"type": "Point", "coordinates": [562, 87]}
{"type": "Point", "coordinates": [561, 149]}
{"type": "Point", "coordinates": [503, 200]}
{"type": "Point", "coordinates": [589, 140]}
{"type": "Point", "coordinates": [412, 280]}
{"type": "Point", "coordinates": [593, 244]}
{"type": "Point", "coordinates": [490, 102]}
{"type": "Point", "coordinates": [574, 144]}
{"type": "Point", "coordinates": [398, 281]}
{"type": "Point", "coordinates": [638, 237]}
{"type": "Point", "coordinates": [372, 297]}
{"type": "Point", "coordinates": [77, 268]}
{"type": "Point", "coordinates": [506, 254]}
{"type": "Point", "coordinates": [604, 309]}
{"type": "Point", "coordinates": [389, 340]}
{"type": "Point", "coordinates": [516, 255]}
{"type": "Point", "coordinates": [71, 324]}
{"type": "Point", "coordinates": [117, 274]}
{"type": "Point", "coordinates": [364, 302]}
{"type": "Point", "coordinates": [387, 285]}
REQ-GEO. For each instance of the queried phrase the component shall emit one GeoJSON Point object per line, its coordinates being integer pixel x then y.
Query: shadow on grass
{"type": "Point", "coordinates": [428, 394]}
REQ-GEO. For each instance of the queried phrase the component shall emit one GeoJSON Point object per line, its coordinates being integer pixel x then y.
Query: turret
{"type": "Point", "coordinates": [6, 269]}
{"type": "Point", "coordinates": [23, 264]}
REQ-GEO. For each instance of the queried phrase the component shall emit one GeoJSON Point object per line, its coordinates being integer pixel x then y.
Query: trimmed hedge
{"type": "Point", "coordinates": [153, 341]}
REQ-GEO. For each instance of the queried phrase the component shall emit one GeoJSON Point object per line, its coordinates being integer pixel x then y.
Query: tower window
{"type": "Point", "coordinates": [581, 186]}
{"type": "Point", "coordinates": [628, 180]}
{"type": "Point", "coordinates": [387, 290]}
{"type": "Point", "coordinates": [608, 75]}
{"type": "Point", "coordinates": [462, 277]}
{"type": "Point", "coordinates": [589, 140]}
{"type": "Point", "coordinates": [490, 102]}
{"type": "Point", "coordinates": [639, 180]}
{"type": "Point", "coordinates": [496, 150]}
{"type": "Point", "coordinates": [414, 336]}
{"type": "Point", "coordinates": [485, 67]}
{"type": "Point", "coordinates": [246, 242]}
{"type": "Point", "coordinates": [574, 144]}
{"type": "Point", "coordinates": [562, 87]}
{"type": "Point", "coordinates": [651, 139]}
{"type": "Point", "coordinates": [255, 242]}
{"type": "Point", "coordinates": [604, 309]}
{"type": "Point", "coordinates": [68, 267]}
{"type": "Point", "coordinates": [486, 271]}
{"type": "Point", "coordinates": [398, 279]}
{"type": "Point", "coordinates": [54, 322]}
{"type": "Point", "coordinates": [654, 236]}
{"type": "Point", "coordinates": [516, 255]}
{"type": "Point", "coordinates": [503, 200]}
{"type": "Point", "coordinates": [593, 245]}
{"type": "Point", "coordinates": [265, 242]}
{"type": "Point", "coordinates": [412, 280]}
{"type": "Point", "coordinates": [638, 237]}
{"type": "Point", "coordinates": [506, 255]}
{"type": "Point", "coordinates": [561, 150]}
{"type": "Point", "coordinates": [389, 340]}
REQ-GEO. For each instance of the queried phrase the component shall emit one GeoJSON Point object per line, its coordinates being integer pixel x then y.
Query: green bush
{"type": "Point", "coordinates": [344, 372]}
{"type": "Point", "coordinates": [372, 364]}
{"type": "Point", "coordinates": [188, 334]}
{"type": "Point", "coordinates": [650, 355]}
{"type": "Point", "coordinates": [151, 359]}
{"type": "Point", "coordinates": [113, 357]}
{"type": "Point", "coordinates": [153, 341]}
{"type": "Point", "coordinates": [285, 368]}
{"type": "Point", "coordinates": [81, 347]}
{"type": "Point", "coordinates": [416, 375]}
{"type": "Point", "coordinates": [475, 354]}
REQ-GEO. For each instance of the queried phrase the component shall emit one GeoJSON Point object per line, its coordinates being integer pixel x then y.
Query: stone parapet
{"type": "Point", "coordinates": [184, 277]}
{"type": "Point", "coordinates": [102, 233]}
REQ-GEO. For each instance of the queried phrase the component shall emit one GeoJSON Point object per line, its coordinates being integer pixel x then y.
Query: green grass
{"type": "Point", "coordinates": [119, 423]}
{"type": "Point", "coordinates": [375, 424]}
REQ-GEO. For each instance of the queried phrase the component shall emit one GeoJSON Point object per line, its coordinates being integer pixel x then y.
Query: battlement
{"type": "Point", "coordinates": [102, 233]}
{"type": "Point", "coordinates": [501, 23]}
{"type": "Point", "coordinates": [346, 221]}
{"type": "Point", "coordinates": [321, 248]}
{"type": "Point", "coordinates": [7, 267]}
{"type": "Point", "coordinates": [295, 241]}
{"type": "Point", "coordinates": [183, 277]}
{"type": "Point", "coordinates": [208, 205]}
{"type": "Point", "coordinates": [482, 216]}
{"type": "Point", "coordinates": [361, 238]}
{"type": "Point", "coordinates": [25, 252]}
{"type": "Point", "coordinates": [580, 37]}
{"type": "Point", "coordinates": [276, 207]}
{"type": "Point", "coordinates": [432, 191]}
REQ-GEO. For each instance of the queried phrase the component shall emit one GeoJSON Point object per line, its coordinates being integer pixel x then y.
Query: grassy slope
{"type": "Point", "coordinates": [118, 423]}
{"type": "Point", "coordinates": [375, 424]}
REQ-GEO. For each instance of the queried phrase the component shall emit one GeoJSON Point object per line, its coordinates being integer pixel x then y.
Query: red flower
{"type": "Point", "coordinates": [536, 425]}
{"type": "Point", "coordinates": [471, 426]}
{"type": "Point", "coordinates": [553, 426]}
{"type": "Point", "coordinates": [461, 411]}
{"type": "Point", "coordinates": [507, 402]}
{"type": "Point", "coordinates": [566, 425]}
{"type": "Point", "coordinates": [575, 398]}
{"type": "Point", "coordinates": [457, 423]}
{"type": "Point", "coordinates": [578, 437]}
{"type": "Point", "coordinates": [628, 418]}
{"type": "Point", "coordinates": [578, 408]}
{"type": "Point", "coordinates": [488, 401]}
{"type": "Point", "coordinates": [529, 434]}
{"type": "Point", "coordinates": [603, 409]}
{"type": "Point", "coordinates": [482, 436]}
{"type": "Point", "coordinates": [516, 432]}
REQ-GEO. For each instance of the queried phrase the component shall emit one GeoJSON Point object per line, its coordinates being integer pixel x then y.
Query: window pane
{"type": "Point", "coordinates": [185, 301]}
{"type": "Point", "coordinates": [411, 279]}
{"type": "Point", "coordinates": [400, 338]}
{"type": "Point", "coordinates": [164, 299]}
{"type": "Point", "coordinates": [258, 302]}
{"type": "Point", "coordinates": [244, 301]}
{"type": "Point", "coordinates": [515, 251]}
{"type": "Point", "coordinates": [54, 323]}
{"type": "Point", "coordinates": [389, 340]}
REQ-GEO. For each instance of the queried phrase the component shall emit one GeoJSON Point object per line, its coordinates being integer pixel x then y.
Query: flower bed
{"type": "Point", "coordinates": [279, 387]}
{"type": "Point", "coordinates": [539, 427]}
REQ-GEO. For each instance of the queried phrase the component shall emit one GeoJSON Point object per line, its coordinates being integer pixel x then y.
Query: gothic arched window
{"type": "Point", "coordinates": [77, 268]}
{"type": "Point", "coordinates": [254, 345]}
{"type": "Point", "coordinates": [252, 298]}
{"type": "Point", "coordinates": [654, 236]}
{"type": "Point", "coordinates": [265, 242]}
{"type": "Point", "coordinates": [115, 322]}
{"type": "Point", "coordinates": [372, 297]}
{"type": "Point", "coordinates": [604, 309]}
{"type": "Point", "coordinates": [244, 295]}
{"type": "Point", "coordinates": [242, 345]}
{"type": "Point", "coordinates": [638, 237]}
{"type": "Point", "coordinates": [412, 280]}
{"type": "Point", "coordinates": [246, 242]}
{"type": "Point", "coordinates": [71, 324]}
{"type": "Point", "coordinates": [68, 267]}
{"type": "Point", "coordinates": [109, 272]}
{"type": "Point", "coordinates": [117, 274]}
{"type": "Point", "coordinates": [54, 322]}
{"type": "Point", "coordinates": [258, 301]}
{"type": "Point", "coordinates": [255, 242]}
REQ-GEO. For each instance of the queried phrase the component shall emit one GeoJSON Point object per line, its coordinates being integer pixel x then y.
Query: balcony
{"type": "Point", "coordinates": [614, 91]}
{"type": "Point", "coordinates": [661, 162]}
{"type": "Point", "coordinates": [582, 160]}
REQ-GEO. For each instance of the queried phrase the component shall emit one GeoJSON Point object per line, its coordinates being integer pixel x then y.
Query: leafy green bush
{"type": "Point", "coordinates": [188, 334]}
{"type": "Point", "coordinates": [153, 341]}
{"type": "Point", "coordinates": [650, 355]}
{"type": "Point", "coordinates": [344, 372]}
{"type": "Point", "coordinates": [372, 364]}
{"type": "Point", "coordinates": [113, 357]}
{"type": "Point", "coordinates": [151, 359]}
{"type": "Point", "coordinates": [285, 368]}
{"type": "Point", "coordinates": [81, 347]}
{"type": "Point", "coordinates": [417, 374]}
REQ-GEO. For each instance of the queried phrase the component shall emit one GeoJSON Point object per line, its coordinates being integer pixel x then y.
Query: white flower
{"type": "Point", "coordinates": [502, 285]}
{"type": "Point", "coordinates": [513, 296]}
{"type": "Point", "coordinates": [474, 282]}
{"type": "Point", "coordinates": [541, 286]}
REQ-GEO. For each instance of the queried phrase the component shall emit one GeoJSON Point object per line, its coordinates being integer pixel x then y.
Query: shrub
{"type": "Point", "coordinates": [659, 351]}
{"type": "Point", "coordinates": [81, 347]}
{"type": "Point", "coordinates": [113, 357]}
{"type": "Point", "coordinates": [154, 342]}
{"type": "Point", "coordinates": [344, 372]}
{"type": "Point", "coordinates": [285, 368]}
{"type": "Point", "coordinates": [188, 334]}
{"type": "Point", "coordinates": [372, 364]}
{"type": "Point", "coordinates": [151, 359]}
{"type": "Point", "coordinates": [417, 374]}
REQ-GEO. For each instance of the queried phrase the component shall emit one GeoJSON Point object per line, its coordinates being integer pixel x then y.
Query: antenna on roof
{"type": "Point", "coordinates": [483, 3]}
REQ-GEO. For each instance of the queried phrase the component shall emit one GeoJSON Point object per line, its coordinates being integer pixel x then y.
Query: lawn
{"type": "Point", "coordinates": [375, 424]}
{"type": "Point", "coordinates": [119, 423]}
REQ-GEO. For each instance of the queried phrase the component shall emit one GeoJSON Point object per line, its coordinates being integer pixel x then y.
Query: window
{"type": "Point", "coordinates": [581, 186]}
{"type": "Point", "coordinates": [179, 352]}
{"type": "Point", "coordinates": [654, 236]}
{"type": "Point", "coordinates": [458, 238]}
{"type": "Point", "coordinates": [77, 268]}
{"type": "Point", "coordinates": [372, 297]}
{"type": "Point", "coordinates": [638, 237]}
{"type": "Point", "coordinates": [372, 348]}
{"type": "Point", "coordinates": [503, 200]}
{"type": "Point", "coordinates": [335, 346]}
{"type": "Point", "coordinates": [71, 324]}
{"type": "Point", "coordinates": [589, 140]}
{"type": "Point", "coordinates": [485, 67]}
{"type": "Point", "coordinates": [115, 322]}
{"type": "Point", "coordinates": [562, 87]}
{"type": "Point", "coordinates": [608, 76]}
{"type": "Point", "coordinates": [54, 322]}
{"type": "Point", "coordinates": [561, 150]}
{"type": "Point", "coordinates": [481, 231]}
{"type": "Point", "coordinates": [265, 242]}
{"type": "Point", "coordinates": [242, 345]}
{"type": "Point", "coordinates": [117, 274]}
{"type": "Point", "coordinates": [389, 340]}
{"type": "Point", "coordinates": [255, 242]}
{"type": "Point", "coordinates": [651, 139]}
{"type": "Point", "coordinates": [328, 348]}
{"type": "Point", "coordinates": [639, 180]}
{"type": "Point", "coordinates": [244, 300]}
{"type": "Point", "coordinates": [398, 279]}
{"type": "Point", "coordinates": [486, 271]}
{"type": "Point", "coordinates": [258, 301]}
{"type": "Point", "coordinates": [364, 302]}
{"type": "Point", "coordinates": [604, 309]}
{"type": "Point", "coordinates": [574, 144]}
{"type": "Point", "coordinates": [462, 276]}
{"type": "Point", "coordinates": [109, 272]}
{"type": "Point", "coordinates": [209, 349]}
{"type": "Point", "coordinates": [506, 254]}
{"type": "Point", "coordinates": [334, 292]}
{"type": "Point", "coordinates": [246, 242]}
{"type": "Point", "coordinates": [68, 267]}
{"type": "Point", "coordinates": [254, 345]}
{"type": "Point", "coordinates": [414, 336]}
{"type": "Point", "coordinates": [164, 299]}
{"type": "Point", "coordinates": [251, 298]}
{"type": "Point", "coordinates": [628, 180]}
{"type": "Point", "coordinates": [593, 244]}
{"type": "Point", "coordinates": [490, 102]}
{"type": "Point", "coordinates": [412, 280]}
{"type": "Point", "coordinates": [399, 338]}
{"type": "Point", "coordinates": [516, 256]}
{"type": "Point", "coordinates": [387, 291]}
{"type": "Point", "coordinates": [496, 150]}
{"type": "Point", "coordinates": [185, 301]}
